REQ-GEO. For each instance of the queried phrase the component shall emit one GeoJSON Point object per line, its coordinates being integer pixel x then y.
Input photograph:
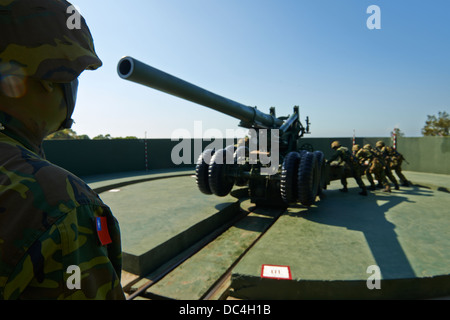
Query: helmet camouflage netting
{"type": "Point", "coordinates": [35, 41]}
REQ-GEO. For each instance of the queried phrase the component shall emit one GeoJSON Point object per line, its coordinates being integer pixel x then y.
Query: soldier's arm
{"type": "Point", "coordinates": [69, 261]}
{"type": "Point", "coordinates": [93, 245]}
{"type": "Point", "coordinates": [361, 156]}
{"type": "Point", "coordinates": [334, 157]}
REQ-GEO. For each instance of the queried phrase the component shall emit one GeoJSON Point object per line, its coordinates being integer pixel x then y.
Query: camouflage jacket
{"type": "Point", "coordinates": [49, 225]}
{"type": "Point", "coordinates": [386, 155]}
{"type": "Point", "coordinates": [395, 157]}
{"type": "Point", "coordinates": [343, 156]}
{"type": "Point", "coordinates": [364, 157]}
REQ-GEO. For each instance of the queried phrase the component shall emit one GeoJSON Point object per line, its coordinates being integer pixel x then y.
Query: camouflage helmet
{"type": "Point", "coordinates": [380, 144]}
{"type": "Point", "coordinates": [335, 144]}
{"type": "Point", "coordinates": [38, 40]}
{"type": "Point", "coordinates": [367, 146]}
{"type": "Point", "coordinates": [356, 147]}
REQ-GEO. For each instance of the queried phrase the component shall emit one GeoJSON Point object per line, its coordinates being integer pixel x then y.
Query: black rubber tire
{"type": "Point", "coordinates": [240, 156]}
{"type": "Point", "coordinates": [289, 174]}
{"type": "Point", "coordinates": [202, 173]}
{"type": "Point", "coordinates": [321, 167]}
{"type": "Point", "coordinates": [219, 183]}
{"type": "Point", "coordinates": [307, 147]}
{"type": "Point", "coordinates": [308, 179]}
{"type": "Point", "coordinates": [230, 148]}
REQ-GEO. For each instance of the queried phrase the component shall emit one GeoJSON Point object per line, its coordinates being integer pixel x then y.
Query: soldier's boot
{"type": "Point", "coordinates": [362, 186]}
{"type": "Point", "coordinates": [344, 189]}
{"type": "Point", "coordinates": [406, 183]}
{"type": "Point", "coordinates": [387, 188]}
{"type": "Point", "coordinates": [392, 178]}
{"type": "Point", "coordinates": [363, 192]}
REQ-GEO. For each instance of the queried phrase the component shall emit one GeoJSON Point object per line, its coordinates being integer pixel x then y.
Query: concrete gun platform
{"type": "Point", "coordinates": [328, 246]}
{"type": "Point", "coordinates": [161, 213]}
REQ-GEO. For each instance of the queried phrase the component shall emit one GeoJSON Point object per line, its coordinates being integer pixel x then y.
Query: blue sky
{"type": "Point", "coordinates": [318, 54]}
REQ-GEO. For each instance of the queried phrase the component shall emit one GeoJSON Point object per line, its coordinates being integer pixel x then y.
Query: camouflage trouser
{"type": "Point", "coordinates": [365, 170]}
{"type": "Point", "coordinates": [391, 177]}
{"type": "Point", "coordinates": [356, 173]}
{"type": "Point", "coordinates": [400, 175]}
{"type": "Point", "coordinates": [378, 170]}
{"type": "Point", "coordinates": [380, 176]}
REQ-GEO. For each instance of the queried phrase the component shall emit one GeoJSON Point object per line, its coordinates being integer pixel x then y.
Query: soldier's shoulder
{"type": "Point", "coordinates": [61, 185]}
{"type": "Point", "coordinates": [35, 195]}
{"type": "Point", "coordinates": [343, 149]}
{"type": "Point", "coordinates": [46, 181]}
{"type": "Point", "coordinates": [361, 153]}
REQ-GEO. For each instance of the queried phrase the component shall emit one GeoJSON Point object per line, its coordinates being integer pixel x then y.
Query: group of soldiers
{"type": "Point", "coordinates": [379, 162]}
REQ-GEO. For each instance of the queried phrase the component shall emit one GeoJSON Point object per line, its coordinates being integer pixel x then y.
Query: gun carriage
{"type": "Point", "coordinates": [295, 176]}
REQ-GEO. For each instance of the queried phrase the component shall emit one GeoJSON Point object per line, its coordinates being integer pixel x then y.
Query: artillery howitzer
{"type": "Point", "coordinates": [292, 176]}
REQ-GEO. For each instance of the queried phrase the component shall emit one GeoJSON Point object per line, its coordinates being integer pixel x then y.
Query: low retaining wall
{"type": "Point", "coordinates": [92, 157]}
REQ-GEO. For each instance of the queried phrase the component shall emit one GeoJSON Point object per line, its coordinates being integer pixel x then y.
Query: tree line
{"type": "Point", "coordinates": [434, 126]}
{"type": "Point", "coordinates": [437, 125]}
{"type": "Point", "coordinates": [69, 134]}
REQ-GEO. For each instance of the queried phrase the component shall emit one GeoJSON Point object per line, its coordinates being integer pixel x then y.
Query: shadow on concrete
{"type": "Point", "coordinates": [368, 215]}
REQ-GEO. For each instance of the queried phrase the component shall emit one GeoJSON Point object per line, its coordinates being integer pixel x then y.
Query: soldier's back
{"type": "Point", "coordinates": [47, 223]}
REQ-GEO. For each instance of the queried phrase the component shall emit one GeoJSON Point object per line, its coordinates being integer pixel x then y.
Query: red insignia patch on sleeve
{"type": "Point", "coordinates": [102, 231]}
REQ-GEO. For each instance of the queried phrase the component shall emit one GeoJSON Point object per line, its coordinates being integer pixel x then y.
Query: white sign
{"type": "Point", "coordinates": [276, 272]}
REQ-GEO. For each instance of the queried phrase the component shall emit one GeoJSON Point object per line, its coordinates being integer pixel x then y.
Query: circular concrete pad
{"type": "Point", "coordinates": [160, 218]}
{"type": "Point", "coordinates": [329, 248]}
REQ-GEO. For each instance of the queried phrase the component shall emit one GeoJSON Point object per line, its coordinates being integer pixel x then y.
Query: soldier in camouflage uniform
{"type": "Point", "coordinates": [396, 160]}
{"type": "Point", "coordinates": [372, 165]}
{"type": "Point", "coordinates": [364, 159]}
{"type": "Point", "coordinates": [383, 155]}
{"type": "Point", "coordinates": [343, 158]}
{"type": "Point", "coordinates": [58, 240]}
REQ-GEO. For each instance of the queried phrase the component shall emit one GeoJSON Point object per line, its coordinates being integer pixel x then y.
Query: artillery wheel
{"type": "Point", "coordinates": [230, 148]}
{"type": "Point", "coordinates": [219, 182]}
{"type": "Point", "coordinates": [202, 171]}
{"type": "Point", "coordinates": [289, 174]}
{"type": "Point", "coordinates": [308, 179]}
{"type": "Point", "coordinates": [322, 178]}
{"type": "Point", "coordinates": [307, 147]}
{"type": "Point", "coordinates": [240, 156]}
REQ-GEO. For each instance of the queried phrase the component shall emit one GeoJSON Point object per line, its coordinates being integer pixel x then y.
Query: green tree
{"type": "Point", "coordinates": [66, 134]}
{"type": "Point", "coordinates": [126, 138]}
{"type": "Point", "coordinates": [398, 132]}
{"type": "Point", "coordinates": [102, 137]}
{"type": "Point", "coordinates": [69, 134]}
{"type": "Point", "coordinates": [437, 126]}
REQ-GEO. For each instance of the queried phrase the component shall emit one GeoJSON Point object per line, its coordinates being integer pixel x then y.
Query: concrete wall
{"type": "Point", "coordinates": [86, 157]}
{"type": "Point", "coordinates": [426, 154]}
{"type": "Point", "coordinates": [90, 157]}
{"type": "Point", "coordinates": [324, 144]}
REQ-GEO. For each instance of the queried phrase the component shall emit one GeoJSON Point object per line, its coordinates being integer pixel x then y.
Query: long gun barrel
{"type": "Point", "coordinates": [284, 182]}
{"type": "Point", "coordinates": [136, 71]}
